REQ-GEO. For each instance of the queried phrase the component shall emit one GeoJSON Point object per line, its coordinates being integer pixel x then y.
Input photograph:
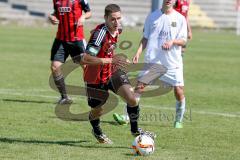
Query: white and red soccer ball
{"type": "Point", "coordinates": [143, 145]}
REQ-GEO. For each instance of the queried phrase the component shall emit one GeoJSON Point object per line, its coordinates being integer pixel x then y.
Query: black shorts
{"type": "Point", "coordinates": [98, 93]}
{"type": "Point", "coordinates": [61, 50]}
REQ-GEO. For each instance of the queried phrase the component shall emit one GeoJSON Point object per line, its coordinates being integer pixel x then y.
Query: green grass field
{"type": "Point", "coordinates": [29, 128]}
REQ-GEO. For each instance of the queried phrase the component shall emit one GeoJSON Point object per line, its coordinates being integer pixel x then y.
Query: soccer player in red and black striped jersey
{"type": "Point", "coordinates": [103, 78]}
{"type": "Point", "coordinates": [68, 14]}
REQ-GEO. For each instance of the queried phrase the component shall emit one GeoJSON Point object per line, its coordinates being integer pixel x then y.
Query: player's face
{"type": "Point", "coordinates": [168, 3]}
{"type": "Point", "coordinates": [113, 21]}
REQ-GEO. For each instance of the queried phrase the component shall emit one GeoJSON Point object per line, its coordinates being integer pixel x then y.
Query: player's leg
{"type": "Point", "coordinates": [124, 119]}
{"type": "Point", "coordinates": [180, 106]}
{"type": "Point", "coordinates": [58, 57]}
{"type": "Point", "coordinates": [174, 77]}
{"type": "Point", "coordinates": [180, 98]}
{"type": "Point", "coordinates": [149, 74]}
{"type": "Point", "coordinates": [96, 103]}
{"type": "Point", "coordinates": [127, 93]}
{"type": "Point", "coordinates": [120, 84]}
{"type": "Point", "coordinates": [76, 49]}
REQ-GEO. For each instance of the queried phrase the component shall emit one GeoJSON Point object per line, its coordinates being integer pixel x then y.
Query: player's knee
{"type": "Point", "coordinates": [97, 112]}
{"type": "Point", "coordinates": [179, 93]}
{"type": "Point", "coordinates": [139, 88]}
{"type": "Point", "coordinates": [56, 66]}
{"type": "Point", "coordinates": [138, 91]}
{"type": "Point", "coordinates": [132, 101]}
{"type": "Point", "coordinates": [55, 69]}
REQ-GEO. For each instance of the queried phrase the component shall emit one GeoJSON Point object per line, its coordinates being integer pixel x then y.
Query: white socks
{"type": "Point", "coordinates": [180, 110]}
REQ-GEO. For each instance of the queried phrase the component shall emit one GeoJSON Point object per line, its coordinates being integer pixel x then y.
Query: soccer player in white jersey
{"type": "Point", "coordinates": [165, 32]}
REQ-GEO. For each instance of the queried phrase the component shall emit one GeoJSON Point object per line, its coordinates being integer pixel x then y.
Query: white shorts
{"type": "Point", "coordinates": [173, 77]}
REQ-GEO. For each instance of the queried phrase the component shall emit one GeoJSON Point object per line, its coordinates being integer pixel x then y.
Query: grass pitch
{"type": "Point", "coordinates": [29, 128]}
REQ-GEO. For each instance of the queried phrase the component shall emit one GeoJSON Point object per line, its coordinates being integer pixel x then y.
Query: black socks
{"type": "Point", "coordinates": [133, 113]}
{"type": "Point", "coordinates": [60, 84]}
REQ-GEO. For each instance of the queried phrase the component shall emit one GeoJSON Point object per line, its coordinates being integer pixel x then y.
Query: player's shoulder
{"type": "Point", "coordinates": [179, 15]}
{"type": "Point", "coordinates": [153, 17]}
{"type": "Point", "coordinates": [155, 14]}
{"type": "Point", "coordinates": [98, 34]}
{"type": "Point", "coordinates": [101, 27]}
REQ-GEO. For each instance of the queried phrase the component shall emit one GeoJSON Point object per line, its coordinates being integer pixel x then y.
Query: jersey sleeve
{"type": "Point", "coordinates": [182, 34]}
{"type": "Point", "coordinates": [96, 41]}
{"type": "Point", "coordinates": [85, 6]}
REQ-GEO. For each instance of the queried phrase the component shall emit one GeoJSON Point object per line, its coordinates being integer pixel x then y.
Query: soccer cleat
{"type": "Point", "coordinates": [66, 100]}
{"type": "Point", "coordinates": [120, 119]}
{"type": "Point", "coordinates": [178, 125]}
{"type": "Point", "coordinates": [142, 132]}
{"type": "Point", "coordinates": [102, 138]}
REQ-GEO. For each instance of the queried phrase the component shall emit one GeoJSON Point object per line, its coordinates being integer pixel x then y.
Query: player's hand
{"type": "Point", "coordinates": [190, 35]}
{"type": "Point", "coordinates": [135, 59]}
{"type": "Point", "coordinates": [167, 45]}
{"type": "Point", "coordinates": [53, 19]}
{"type": "Point", "coordinates": [81, 21]}
{"type": "Point", "coordinates": [120, 62]}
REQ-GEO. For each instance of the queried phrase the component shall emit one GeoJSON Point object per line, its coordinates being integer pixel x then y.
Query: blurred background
{"type": "Point", "coordinates": [203, 13]}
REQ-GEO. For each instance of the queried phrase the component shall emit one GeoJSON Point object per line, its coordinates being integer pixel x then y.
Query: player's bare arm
{"type": "Point", "coordinates": [142, 46]}
{"type": "Point", "coordinates": [117, 60]}
{"type": "Point", "coordinates": [85, 16]}
{"type": "Point", "coordinates": [189, 26]}
{"type": "Point", "coordinates": [189, 29]}
{"type": "Point", "coordinates": [168, 44]}
{"type": "Point", "coordinates": [53, 18]}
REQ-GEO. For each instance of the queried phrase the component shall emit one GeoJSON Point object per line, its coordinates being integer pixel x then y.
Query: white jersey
{"type": "Point", "coordinates": [150, 21]}
{"type": "Point", "coordinates": [165, 28]}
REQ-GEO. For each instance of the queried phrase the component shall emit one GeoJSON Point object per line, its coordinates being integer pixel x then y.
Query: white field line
{"type": "Point", "coordinates": [33, 93]}
{"type": "Point", "coordinates": [230, 115]}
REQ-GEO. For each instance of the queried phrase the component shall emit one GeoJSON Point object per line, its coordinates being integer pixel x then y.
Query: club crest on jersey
{"type": "Point", "coordinates": [111, 48]}
{"type": "Point", "coordinates": [63, 10]}
{"type": "Point", "coordinates": [174, 24]}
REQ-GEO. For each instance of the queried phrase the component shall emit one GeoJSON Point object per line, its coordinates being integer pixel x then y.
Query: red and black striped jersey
{"type": "Point", "coordinates": [68, 12]}
{"type": "Point", "coordinates": [182, 6]}
{"type": "Point", "coordinates": [101, 44]}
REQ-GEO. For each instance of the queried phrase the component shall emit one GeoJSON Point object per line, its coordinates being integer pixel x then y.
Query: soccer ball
{"type": "Point", "coordinates": [143, 145]}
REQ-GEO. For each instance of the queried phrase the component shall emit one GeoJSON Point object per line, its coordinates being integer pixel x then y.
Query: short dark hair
{"type": "Point", "coordinates": [111, 8]}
